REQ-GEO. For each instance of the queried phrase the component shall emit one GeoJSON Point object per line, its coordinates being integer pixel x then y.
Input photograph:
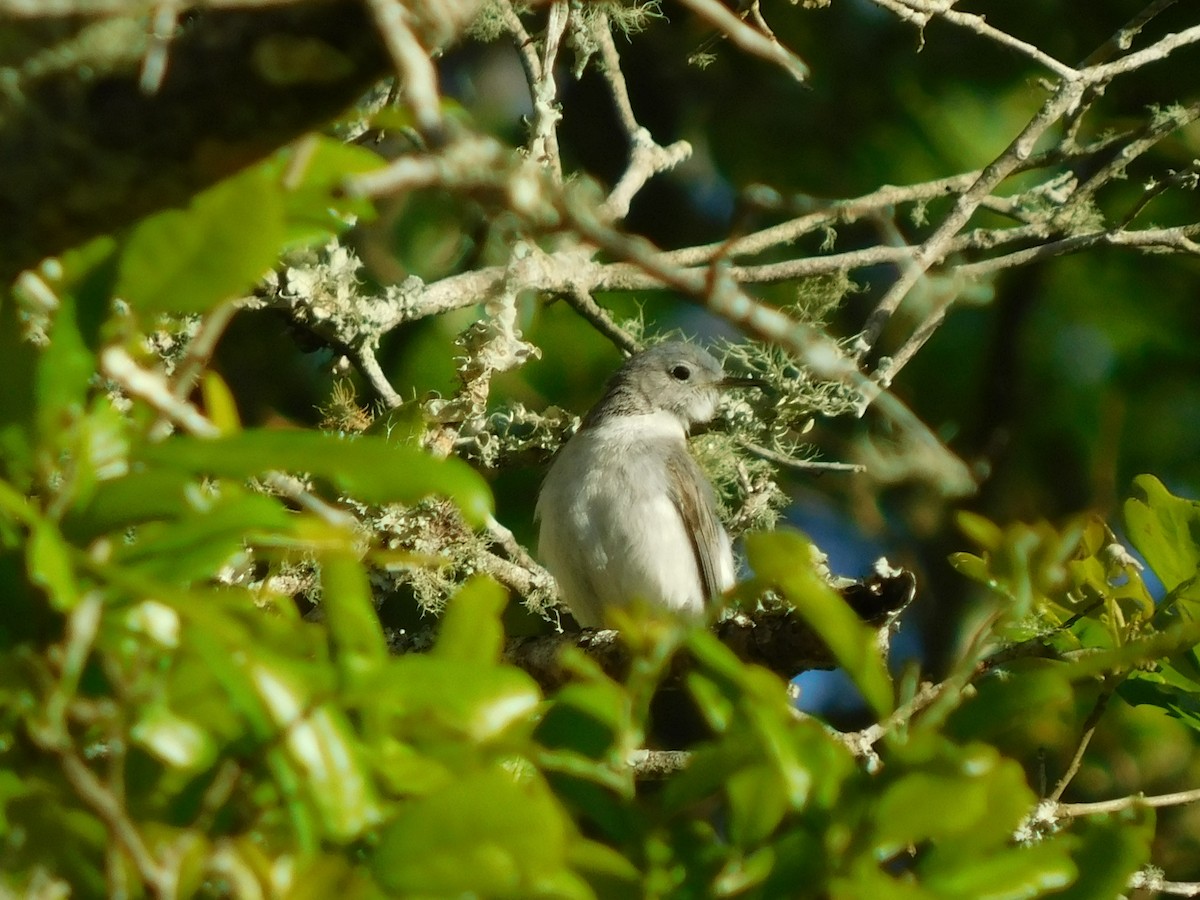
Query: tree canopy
{"type": "Point", "coordinates": [300, 297]}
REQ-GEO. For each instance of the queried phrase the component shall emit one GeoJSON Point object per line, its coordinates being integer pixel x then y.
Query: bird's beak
{"type": "Point", "coordinates": [728, 383]}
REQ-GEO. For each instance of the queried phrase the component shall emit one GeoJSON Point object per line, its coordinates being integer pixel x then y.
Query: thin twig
{"type": "Point", "coordinates": [646, 157]}
{"type": "Point", "coordinates": [195, 358]}
{"type": "Point", "coordinates": [543, 142]}
{"type": "Point", "coordinates": [934, 249]}
{"type": "Point", "coordinates": [1089, 731]}
{"type": "Point", "coordinates": [1122, 39]}
{"type": "Point", "coordinates": [587, 307]}
{"type": "Point", "coordinates": [1133, 801]}
{"type": "Point", "coordinates": [801, 465]}
{"type": "Point", "coordinates": [162, 29]}
{"type": "Point", "coordinates": [921, 11]}
{"type": "Point", "coordinates": [747, 38]}
{"type": "Point", "coordinates": [414, 65]}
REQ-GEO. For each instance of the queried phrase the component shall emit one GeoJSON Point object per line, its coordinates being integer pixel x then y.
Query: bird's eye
{"type": "Point", "coordinates": [681, 373]}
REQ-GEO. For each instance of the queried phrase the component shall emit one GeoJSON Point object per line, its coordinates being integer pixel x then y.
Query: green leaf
{"type": "Point", "coordinates": [757, 804]}
{"type": "Point", "coordinates": [592, 696]}
{"type": "Point", "coordinates": [368, 469]}
{"type": "Point", "coordinates": [355, 636]}
{"type": "Point", "coordinates": [195, 546]}
{"type": "Point", "coordinates": [926, 806]}
{"type": "Point", "coordinates": [322, 751]}
{"type": "Point", "coordinates": [18, 365]}
{"type": "Point", "coordinates": [50, 567]}
{"type": "Point", "coordinates": [982, 531]}
{"type": "Point", "coordinates": [174, 740]}
{"type": "Point", "coordinates": [67, 363]}
{"type": "Point", "coordinates": [1173, 639]}
{"type": "Point", "coordinates": [1110, 849]}
{"type": "Point", "coordinates": [471, 630]}
{"type": "Point", "coordinates": [315, 171]}
{"type": "Point", "coordinates": [456, 698]}
{"type": "Point", "coordinates": [967, 797]}
{"type": "Point", "coordinates": [782, 559]}
{"type": "Point", "coordinates": [1009, 874]}
{"type": "Point", "coordinates": [1166, 688]}
{"type": "Point", "coordinates": [490, 834]}
{"type": "Point", "coordinates": [141, 496]}
{"type": "Point", "coordinates": [741, 874]}
{"type": "Point", "coordinates": [1165, 529]}
{"type": "Point", "coordinates": [12, 786]}
{"type": "Point", "coordinates": [605, 867]}
{"type": "Point", "coordinates": [190, 260]}
{"type": "Point", "coordinates": [1029, 704]}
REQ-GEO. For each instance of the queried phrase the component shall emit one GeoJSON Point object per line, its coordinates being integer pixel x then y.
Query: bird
{"type": "Point", "coordinates": [625, 511]}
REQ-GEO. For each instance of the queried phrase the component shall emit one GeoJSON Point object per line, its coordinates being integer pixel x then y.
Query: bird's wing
{"type": "Point", "coordinates": [693, 497]}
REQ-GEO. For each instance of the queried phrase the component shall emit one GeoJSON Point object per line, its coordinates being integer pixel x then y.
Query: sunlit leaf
{"type": "Point", "coordinates": [1011, 874]}
{"type": "Point", "coordinates": [782, 559]}
{"type": "Point", "coordinates": [219, 403]}
{"type": "Point", "coordinates": [321, 746]}
{"type": "Point", "coordinates": [314, 173]}
{"type": "Point", "coordinates": [471, 630]}
{"type": "Point", "coordinates": [1165, 529]}
{"type": "Point", "coordinates": [459, 697]}
{"type": "Point", "coordinates": [173, 739]}
{"type": "Point", "coordinates": [191, 259]}
{"type": "Point", "coordinates": [1108, 851]}
{"type": "Point", "coordinates": [357, 640]}
{"type": "Point", "coordinates": [490, 834]}
{"type": "Point", "coordinates": [50, 566]}
{"type": "Point", "coordinates": [367, 468]}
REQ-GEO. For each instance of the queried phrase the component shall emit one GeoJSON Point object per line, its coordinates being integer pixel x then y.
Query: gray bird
{"type": "Point", "coordinates": [625, 510]}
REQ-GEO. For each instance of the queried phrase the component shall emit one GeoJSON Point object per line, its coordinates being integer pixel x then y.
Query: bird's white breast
{"type": "Point", "coordinates": [610, 530]}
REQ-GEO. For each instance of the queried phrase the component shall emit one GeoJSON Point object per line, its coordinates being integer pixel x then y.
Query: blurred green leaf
{"type": "Point", "coordinates": [591, 714]}
{"type": "Point", "coordinates": [493, 833]}
{"type": "Point", "coordinates": [323, 751]}
{"type": "Point", "coordinates": [782, 559]}
{"type": "Point", "coordinates": [973, 567]}
{"type": "Point", "coordinates": [173, 739]}
{"type": "Point", "coordinates": [11, 787]}
{"type": "Point", "coordinates": [866, 881]}
{"type": "Point", "coordinates": [140, 496]}
{"type": "Point", "coordinates": [983, 532]}
{"type": "Point", "coordinates": [64, 374]}
{"type": "Point", "coordinates": [314, 171]}
{"type": "Point", "coordinates": [1165, 529]}
{"type": "Point", "coordinates": [965, 797]}
{"type": "Point", "coordinates": [1107, 851]}
{"type": "Point", "coordinates": [757, 804]}
{"type": "Point", "coordinates": [1027, 706]}
{"type": "Point", "coordinates": [1006, 874]}
{"type": "Point", "coordinates": [50, 566]}
{"type": "Point", "coordinates": [18, 368]}
{"type": "Point", "coordinates": [219, 403]}
{"type": "Point", "coordinates": [455, 697]}
{"type": "Point", "coordinates": [471, 630]}
{"type": "Point", "coordinates": [607, 870]}
{"type": "Point", "coordinates": [194, 547]}
{"type": "Point", "coordinates": [101, 450]}
{"type": "Point", "coordinates": [741, 874]}
{"type": "Point", "coordinates": [189, 260]}
{"type": "Point", "coordinates": [366, 468]}
{"type": "Point", "coordinates": [358, 646]}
